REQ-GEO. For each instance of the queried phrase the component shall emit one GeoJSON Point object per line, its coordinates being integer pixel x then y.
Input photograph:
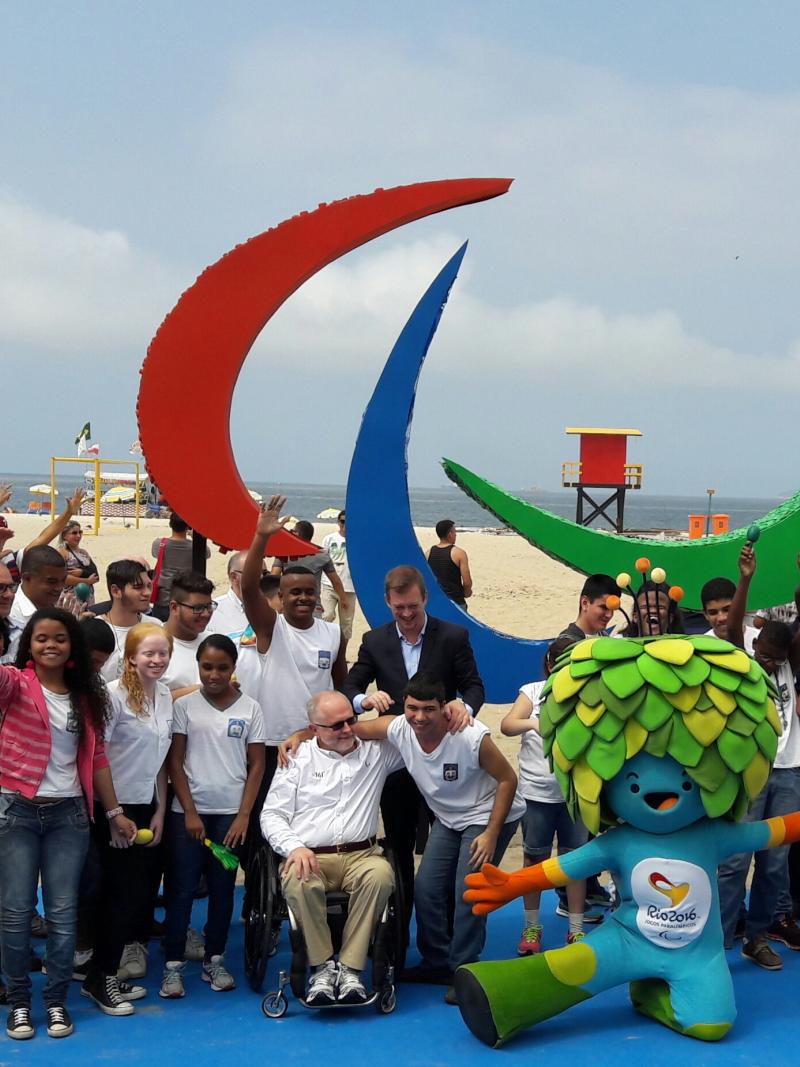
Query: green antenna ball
{"type": "Point", "coordinates": [753, 533]}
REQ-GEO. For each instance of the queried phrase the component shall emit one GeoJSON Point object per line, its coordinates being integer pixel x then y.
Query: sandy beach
{"type": "Point", "coordinates": [517, 588]}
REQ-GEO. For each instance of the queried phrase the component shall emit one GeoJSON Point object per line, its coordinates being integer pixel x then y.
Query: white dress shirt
{"type": "Point", "coordinates": [324, 798]}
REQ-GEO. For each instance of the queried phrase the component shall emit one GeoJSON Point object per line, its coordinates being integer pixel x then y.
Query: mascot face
{"type": "Point", "coordinates": [655, 795]}
{"type": "Point", "coordinates": [700, 710]}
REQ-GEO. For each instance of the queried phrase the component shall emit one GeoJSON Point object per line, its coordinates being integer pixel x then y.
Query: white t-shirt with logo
{"type": "Point", "coordinates": [459, 792]}
{"type": "Point", "coordinates": [673, 899]}
{"type": "Point", "coordinates": [297, 665]}
{"type": "Point", "coordinates": [216, 750]}
{"type": "Point", "coordinates": [61, 775]}
{"type": "Point", "coordinates": [182, 670]}
{"type": "Point", "coordinates": [137, 745]}
{"type": "Point", "coordinates": [536, 780]}
{"type": "Point", "coordinates": [112, 668]}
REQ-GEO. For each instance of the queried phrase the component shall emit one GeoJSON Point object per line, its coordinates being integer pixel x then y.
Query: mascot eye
{"type": "Point", "coordinates": [687, 785]}
{"type": "Point", "coordinates": [634, 788]}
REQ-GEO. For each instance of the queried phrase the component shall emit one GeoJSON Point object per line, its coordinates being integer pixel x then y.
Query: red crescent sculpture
{"type": "Point", "coordinates": [195, 357]}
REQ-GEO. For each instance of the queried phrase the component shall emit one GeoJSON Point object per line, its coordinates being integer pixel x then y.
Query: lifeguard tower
{"type": "Point", "coordinates": [603, 464]}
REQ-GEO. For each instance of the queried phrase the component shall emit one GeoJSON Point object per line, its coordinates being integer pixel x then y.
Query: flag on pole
{"type": "Point", "coordinates": [83, 439]}
{"type": "Point", "coordinates": [93, 450]}
{"type": "Point", "coordinates": [136, 448]}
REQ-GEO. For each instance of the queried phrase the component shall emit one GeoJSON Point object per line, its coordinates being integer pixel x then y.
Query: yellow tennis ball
{"type": "Point", "coordinates": [144, 837]}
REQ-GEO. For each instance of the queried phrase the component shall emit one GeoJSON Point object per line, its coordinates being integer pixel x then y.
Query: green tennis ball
{"type": "Point", "coordinates": [144, 836]}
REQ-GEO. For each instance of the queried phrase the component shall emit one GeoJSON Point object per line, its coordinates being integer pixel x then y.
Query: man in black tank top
{"type": "Point", "coordinates": [450, 564]}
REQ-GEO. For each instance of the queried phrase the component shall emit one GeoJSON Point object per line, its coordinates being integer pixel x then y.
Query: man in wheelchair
{"type": "Point", "coordinates": [321, 813]}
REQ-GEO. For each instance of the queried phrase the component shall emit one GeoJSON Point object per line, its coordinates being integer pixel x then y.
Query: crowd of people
{"type": "Point", "coordinates": [137, 730]}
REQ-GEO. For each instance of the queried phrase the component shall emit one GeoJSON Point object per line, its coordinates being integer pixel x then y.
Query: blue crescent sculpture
{"type": "Point", "coordinates": [380, 533]}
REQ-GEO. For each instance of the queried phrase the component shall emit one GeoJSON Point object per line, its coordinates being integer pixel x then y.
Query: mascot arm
{"type": "Point", "coordinates": [490, 888]}
{"type": "Point", "coordinates": [754, 836]}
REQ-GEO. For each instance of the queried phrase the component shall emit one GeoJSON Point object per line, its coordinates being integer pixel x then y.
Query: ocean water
{"type": "Point", "coordinates": [643, 510]}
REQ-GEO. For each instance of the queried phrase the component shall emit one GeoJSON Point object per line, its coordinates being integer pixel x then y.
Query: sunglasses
{"type": "Point", "coordinates": [336, 726]}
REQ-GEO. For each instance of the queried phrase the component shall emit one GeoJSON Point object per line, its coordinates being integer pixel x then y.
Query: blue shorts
{"type": "Point", "coordinates": [542, 822]}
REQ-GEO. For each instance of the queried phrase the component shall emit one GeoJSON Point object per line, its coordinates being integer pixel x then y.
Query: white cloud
{"type": "Point", "coordinates": [65, 287]}
{"type": "Point", "coordinates": [350, 314]}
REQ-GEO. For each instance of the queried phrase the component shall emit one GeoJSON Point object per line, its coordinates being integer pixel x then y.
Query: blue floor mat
{"type": "Point", "coordinates": [216, 1029]}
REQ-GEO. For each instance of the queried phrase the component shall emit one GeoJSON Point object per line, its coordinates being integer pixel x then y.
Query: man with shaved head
{"type": "Point", "coordinates": [321, 813]}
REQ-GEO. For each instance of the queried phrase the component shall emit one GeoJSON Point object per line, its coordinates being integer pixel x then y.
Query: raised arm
{"type": "Point", "coordinates": [54, 528]}
{"type": "Point", "coordinates": [747, 568]}
{"type": "Point", "coordinates": [259, 613]}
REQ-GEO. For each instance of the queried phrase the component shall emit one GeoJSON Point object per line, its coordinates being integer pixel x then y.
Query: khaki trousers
{"type": "Point", "coordinates": [367, 877]}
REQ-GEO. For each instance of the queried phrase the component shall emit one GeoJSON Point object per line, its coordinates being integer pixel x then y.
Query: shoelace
{"type": "Point", "coordinates": [112, 990]}
{"type": "Point", "coordinates": [20, 1017]}
{"type": "Point", "coordinates": [531, 933]}
{"type": "Point", "coordinates": [56, 1015]}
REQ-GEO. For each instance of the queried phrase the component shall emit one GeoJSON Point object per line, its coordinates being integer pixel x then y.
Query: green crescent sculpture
{"type": "Point", "coordinates": [590, 551]}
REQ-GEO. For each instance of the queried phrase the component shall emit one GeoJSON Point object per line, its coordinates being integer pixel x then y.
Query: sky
{"type": "Point", "coordinates": [641, 271]}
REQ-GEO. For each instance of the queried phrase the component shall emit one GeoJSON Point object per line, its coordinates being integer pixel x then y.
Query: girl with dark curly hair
{"type": "Point", "coordinates": [52, 763]}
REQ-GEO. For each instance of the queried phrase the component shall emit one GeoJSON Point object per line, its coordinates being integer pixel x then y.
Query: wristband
{"type": "Point", "coordinates": [114, 813]}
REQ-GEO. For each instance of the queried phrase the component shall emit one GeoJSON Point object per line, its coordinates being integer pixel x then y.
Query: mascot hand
{"type": "Point", "coordinates": [491, 887]}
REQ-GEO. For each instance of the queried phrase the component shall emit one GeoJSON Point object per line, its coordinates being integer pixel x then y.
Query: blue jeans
{"type": "Point", "coordinates": [440, 878]}
{"type": "Point", "coordinates": [769, 890]}
{"type": "Point", "coordinates": [50, 840]}
{"type": "Point", "coordinates": [186, 860]}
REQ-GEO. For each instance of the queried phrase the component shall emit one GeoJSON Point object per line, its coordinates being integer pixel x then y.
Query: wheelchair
{"type": "Point", "coordinates": [266, 909]}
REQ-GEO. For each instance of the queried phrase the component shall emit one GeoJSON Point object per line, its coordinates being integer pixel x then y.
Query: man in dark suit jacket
{"type": "Point", "coordinates": [389, 656]}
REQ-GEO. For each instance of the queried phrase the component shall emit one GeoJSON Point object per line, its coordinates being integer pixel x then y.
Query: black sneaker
{"type": "Point", "coordinates": [741, 928]}
{"type": "Point", "coordinates": [19, 1025]}
{"type": "Point", "coordinates": [785, 930]}
{"type": "Point", "coordinates": [104, 990]}
{"type": "Point", "coordinates": [59, 1023]}
{"type": "Point", "coordinates": [759, 952]}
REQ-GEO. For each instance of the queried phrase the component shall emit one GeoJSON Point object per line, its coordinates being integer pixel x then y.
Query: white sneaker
{"type": "Point", "coordinates": [195, 946]}
{"type": "Point", "coordinates": [172, 981]}
{"type": "Point", "coordinates": [351, 988]}
{"type": "Point", "coordinates": [133, 963]}
{"type": "Point", "coordinates": [214, 972]}
{"type": "Point", "coordinates": [322, 984]}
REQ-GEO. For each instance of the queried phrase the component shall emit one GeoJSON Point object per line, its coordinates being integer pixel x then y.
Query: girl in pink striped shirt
{"type": "Point", "coordinates": [52, 762]}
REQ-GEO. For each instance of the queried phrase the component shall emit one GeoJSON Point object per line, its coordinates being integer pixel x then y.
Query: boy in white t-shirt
{"type": "Point", "coordinates": [472, 791]}
{"type": "Point", "coordinates": [546, 816]}
{"type": "Point", "coordinates": [769, 911]}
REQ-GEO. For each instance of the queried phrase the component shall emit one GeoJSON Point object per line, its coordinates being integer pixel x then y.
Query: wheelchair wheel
{"type": "Point", "coordinates": [398, 932]}
{"type": "Point", "coordinates": [387, 1001]}
{"type": "Point", "coordinates": [274, 1005]}
{"type": "Point", "coordinates": [262, 916]}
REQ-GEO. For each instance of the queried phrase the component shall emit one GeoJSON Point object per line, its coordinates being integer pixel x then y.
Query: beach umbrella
{"type": "Point", "coordinates": [118, 494]}
{"type": "Point", "coordinates": [45, 490]}
{"type": "Point", "coordinates": [329, 513]}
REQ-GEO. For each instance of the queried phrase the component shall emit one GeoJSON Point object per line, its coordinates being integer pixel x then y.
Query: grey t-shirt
{"type": "Point", "coordinates": [177, 557]}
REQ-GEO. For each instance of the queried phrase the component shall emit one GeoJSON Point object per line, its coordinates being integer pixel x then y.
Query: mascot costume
{"type": "Point", "coordinates": [664, 739]}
